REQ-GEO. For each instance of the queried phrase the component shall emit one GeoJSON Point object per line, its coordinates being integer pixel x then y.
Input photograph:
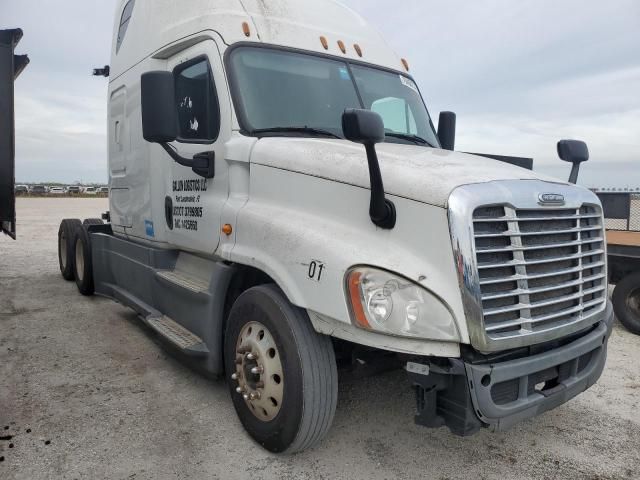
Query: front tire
{"type": "Point", "coordinates": [282, 375]}
{"type": "Point", "coordinates": [626, 302]}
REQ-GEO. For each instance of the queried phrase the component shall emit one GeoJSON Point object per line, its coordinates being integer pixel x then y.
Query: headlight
{"type": "Point", "coordinates": [390, 304]}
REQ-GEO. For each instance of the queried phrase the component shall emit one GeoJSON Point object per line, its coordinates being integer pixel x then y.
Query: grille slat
{"type": "Point", "coordinates": [546, 303]}
{"type": "Point", "coordinates": [540, 275]}
{"type": "Point", "coordinates": [525, 234]}
{"type": "Point", "coordinates": [533, 291]}
{"type": "Point", "coordinates": [536, 219]}
{"type": "Point", "coordinates": [511, 248]}
{"type": "Point", "coordinates": [538, 269]}
{"type": "Point", "coordinates": [513, 263]}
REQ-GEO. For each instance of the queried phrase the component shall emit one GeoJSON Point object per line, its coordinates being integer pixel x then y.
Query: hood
{"type": "Point", "coordinates": [426, 175]}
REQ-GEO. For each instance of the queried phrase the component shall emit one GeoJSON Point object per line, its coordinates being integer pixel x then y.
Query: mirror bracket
{"type": "Point", "coordinates": [367, 128]}
{"type": "Point", "coordinates": [202, 164]}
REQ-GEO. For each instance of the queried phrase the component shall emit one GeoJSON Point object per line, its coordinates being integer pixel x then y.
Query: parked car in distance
{"type": "Point", "coordinates": [38, 190]}
{"type": "Point", "coordinates": [74, 189]}
{"type": "Point", "coordinates": [57, 191]}
{"type": "Point", "coordinates": [89, 190]}
{"type": "Point", "coordinates": [21, 190]}
{"type": "Point", "coordinates": [103, 190]}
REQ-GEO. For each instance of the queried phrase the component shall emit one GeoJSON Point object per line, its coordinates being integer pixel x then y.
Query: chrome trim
{"type": "Point", "coordinates": [514, 195]}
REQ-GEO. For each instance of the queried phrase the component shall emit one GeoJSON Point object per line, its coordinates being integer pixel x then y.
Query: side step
{"type": "Point", "coordinates": [179, 336]}
{"type": "Point", "coordinates": [184, 280]}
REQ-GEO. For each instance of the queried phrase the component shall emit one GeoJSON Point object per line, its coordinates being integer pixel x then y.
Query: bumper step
{"type": "Point", "coordinates": [176, 334]}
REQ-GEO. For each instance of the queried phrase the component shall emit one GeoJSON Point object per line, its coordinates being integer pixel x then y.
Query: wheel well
{"type": "Point", "coordinates": [243, 279]}
{"type": "Point", "coordinates": [620, 267]}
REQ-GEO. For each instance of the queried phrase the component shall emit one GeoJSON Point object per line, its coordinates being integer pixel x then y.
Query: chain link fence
{"type": "Point", "coordinates": [621, 211]}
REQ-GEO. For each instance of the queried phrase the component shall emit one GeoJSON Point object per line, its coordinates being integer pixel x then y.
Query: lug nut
{"type": "Point", "coordinates": [245, 396]}
{"type": "Point", "coordinates": [239, 390]}
{"type": "Point", "coordinates": [257, 370]}
{"type": "Point", "coordinates": [234, 376]}
{"type": "Point", "coordinates": [251, 356]}
{"type": "Point", "coordinates": [255, 396]}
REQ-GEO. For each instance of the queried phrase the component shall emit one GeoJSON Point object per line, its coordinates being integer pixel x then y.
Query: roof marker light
{"type": "Point", "coordinates": [324, 42]}
{"type": "Point", "coordinates": [246, 29]}
{"type": "Point", "coordinates": [405, 64]}
{"type": "Point", "coordinates": [358, 49]}
{"type": "Point", "coordinates": [343, 49]}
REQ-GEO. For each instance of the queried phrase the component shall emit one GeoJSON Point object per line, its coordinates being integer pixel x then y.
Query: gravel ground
{"type": "Point", "coordinates": [85, 392]}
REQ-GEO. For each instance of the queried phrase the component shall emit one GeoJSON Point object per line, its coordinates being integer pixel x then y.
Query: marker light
{"type": "Point", "coordinates": [358, 49]}
{"type": "Point", "coordinates": [246, 29]}
{"type": "Point", "coordinates": [343, 49]}
{"type": "Point", "coordinates": [324, 42]}
{"type": "Point", "coordinates": [389, 304]}
{"type": "Point", "coordinates": [405, 64]}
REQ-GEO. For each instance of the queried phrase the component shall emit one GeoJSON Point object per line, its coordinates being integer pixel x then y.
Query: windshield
{"type": "Point", "coordinates": [276, 90]}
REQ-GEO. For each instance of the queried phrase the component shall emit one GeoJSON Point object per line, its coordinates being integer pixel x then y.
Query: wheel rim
{"type": "Point", "coordinates": [63, 249]}
{"type": "Point", "coordinates": [79, 260]}
{"type": "Point", "coordinates": [258, 371]}
{"type": "Point", "coordinates": [633, 302]}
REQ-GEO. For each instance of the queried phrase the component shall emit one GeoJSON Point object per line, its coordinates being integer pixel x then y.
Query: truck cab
{"type": "Point", "coordinates": [281, 205]}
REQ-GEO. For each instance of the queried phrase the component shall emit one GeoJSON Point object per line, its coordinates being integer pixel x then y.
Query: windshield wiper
{"type": "Point", "coordinates": [410, 137]}
{"type": "Point", "coordinates": [307, 130]}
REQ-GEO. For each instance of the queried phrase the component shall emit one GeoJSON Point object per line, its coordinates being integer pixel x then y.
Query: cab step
{"type": "Point", "coordinates": [176, 334]}
{"type": "Point", "coordinates": [184, 280]}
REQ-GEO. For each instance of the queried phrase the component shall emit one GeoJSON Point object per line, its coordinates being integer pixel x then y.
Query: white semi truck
{"type": "Point", "coordinates": [281, 208]}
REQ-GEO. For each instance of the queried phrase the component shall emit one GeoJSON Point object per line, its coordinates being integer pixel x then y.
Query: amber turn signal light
{"type": "Point", "coordinates": [227, 229]}
{"type": "Point", "coordinates": [356, 303]}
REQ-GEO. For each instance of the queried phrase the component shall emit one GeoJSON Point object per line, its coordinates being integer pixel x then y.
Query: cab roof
{"type": "Point", "coordinates": [314, 25]}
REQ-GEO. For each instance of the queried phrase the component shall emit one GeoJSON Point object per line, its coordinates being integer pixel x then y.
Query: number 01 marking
{"type": "Point", "coordinates": [315, 270]}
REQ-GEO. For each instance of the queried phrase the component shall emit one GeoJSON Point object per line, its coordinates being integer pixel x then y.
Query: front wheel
{"type": "Point", "coordinates": [626, 302]}
{"type": "Point", "coordinates": [282, 375]}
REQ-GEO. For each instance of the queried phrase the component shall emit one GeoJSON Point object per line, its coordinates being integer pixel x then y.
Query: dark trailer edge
{"type": "Point", "coordinates": [11, 66]}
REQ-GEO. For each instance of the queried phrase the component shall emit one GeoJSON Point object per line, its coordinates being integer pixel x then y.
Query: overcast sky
{"type": "Point", "coordinates": [520, 75]}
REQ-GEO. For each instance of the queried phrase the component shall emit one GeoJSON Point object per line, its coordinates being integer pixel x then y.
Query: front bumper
{"type": "Point", "coordinates": [466, 396]}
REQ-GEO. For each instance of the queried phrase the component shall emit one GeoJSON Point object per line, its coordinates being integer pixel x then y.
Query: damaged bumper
{"type": "Point", "coordinates": [466, 396]}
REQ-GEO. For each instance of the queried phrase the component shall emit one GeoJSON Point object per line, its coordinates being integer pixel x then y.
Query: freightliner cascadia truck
{"type": "Point", "coordinates": [281, 208]}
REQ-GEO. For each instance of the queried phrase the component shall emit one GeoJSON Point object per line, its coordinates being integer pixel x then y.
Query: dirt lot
{"type": "Point", "coordinates": [85, 392]}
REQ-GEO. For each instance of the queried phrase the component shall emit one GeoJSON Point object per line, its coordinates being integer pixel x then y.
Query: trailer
{"type": "Point", "coordinates": [11, 66]}
{"type": "Point", "coordinates": [622, 221]}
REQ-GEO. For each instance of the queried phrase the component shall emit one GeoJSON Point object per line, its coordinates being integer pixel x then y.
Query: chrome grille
{"type": "Point", "coordinates": [538, 269]}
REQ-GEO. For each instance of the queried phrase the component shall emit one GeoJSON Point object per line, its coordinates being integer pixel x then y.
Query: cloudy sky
{"type": "Point", "coordinates": [521, 75]}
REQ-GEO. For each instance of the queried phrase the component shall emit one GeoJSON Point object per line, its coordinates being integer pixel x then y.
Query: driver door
{"type": "Point", "coordinates": [194, 204]}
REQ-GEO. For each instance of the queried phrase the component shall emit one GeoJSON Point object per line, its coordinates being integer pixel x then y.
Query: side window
{"type": "Point", "coordinates": [197, 103]}
{"type": "Point", "coordinates": [124, 22]}
{"type": "Point", "coordinates": [396, 114]}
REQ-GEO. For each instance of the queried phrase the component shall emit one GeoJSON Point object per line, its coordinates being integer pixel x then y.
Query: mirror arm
{"type": "Point", "coordinates": [202, 164]}
{"type": "Point", "coordinates": [575, 169]}
{"type": "Point", "coordinates": [185, 162]}
{"type": "Point", "coordinates": [381, 210]}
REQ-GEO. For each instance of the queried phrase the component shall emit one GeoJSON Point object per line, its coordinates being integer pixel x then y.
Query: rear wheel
{"type": "Point", "coordinates": [82, 263]}
{"type": "Point", "coordinates": [626, 302]}
{"type": "Point", "coordinates": [65, 246]}
{"type": "Point", "coordinates": [282, 374]}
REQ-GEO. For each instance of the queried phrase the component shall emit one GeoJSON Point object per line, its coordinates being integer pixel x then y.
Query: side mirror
{"type": "Point", "coordinates": [363, 126]}
{"type": "Point", "coordinates": [160, 121]}
{"type": "Point", "coordinates": [159, 113]}
{"type": "Point", "coordinates": [447, 130]}
{"type": "Point", "coordinates": [575, 152]}
{"type": "Point", "coordinates": [366, 127]}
